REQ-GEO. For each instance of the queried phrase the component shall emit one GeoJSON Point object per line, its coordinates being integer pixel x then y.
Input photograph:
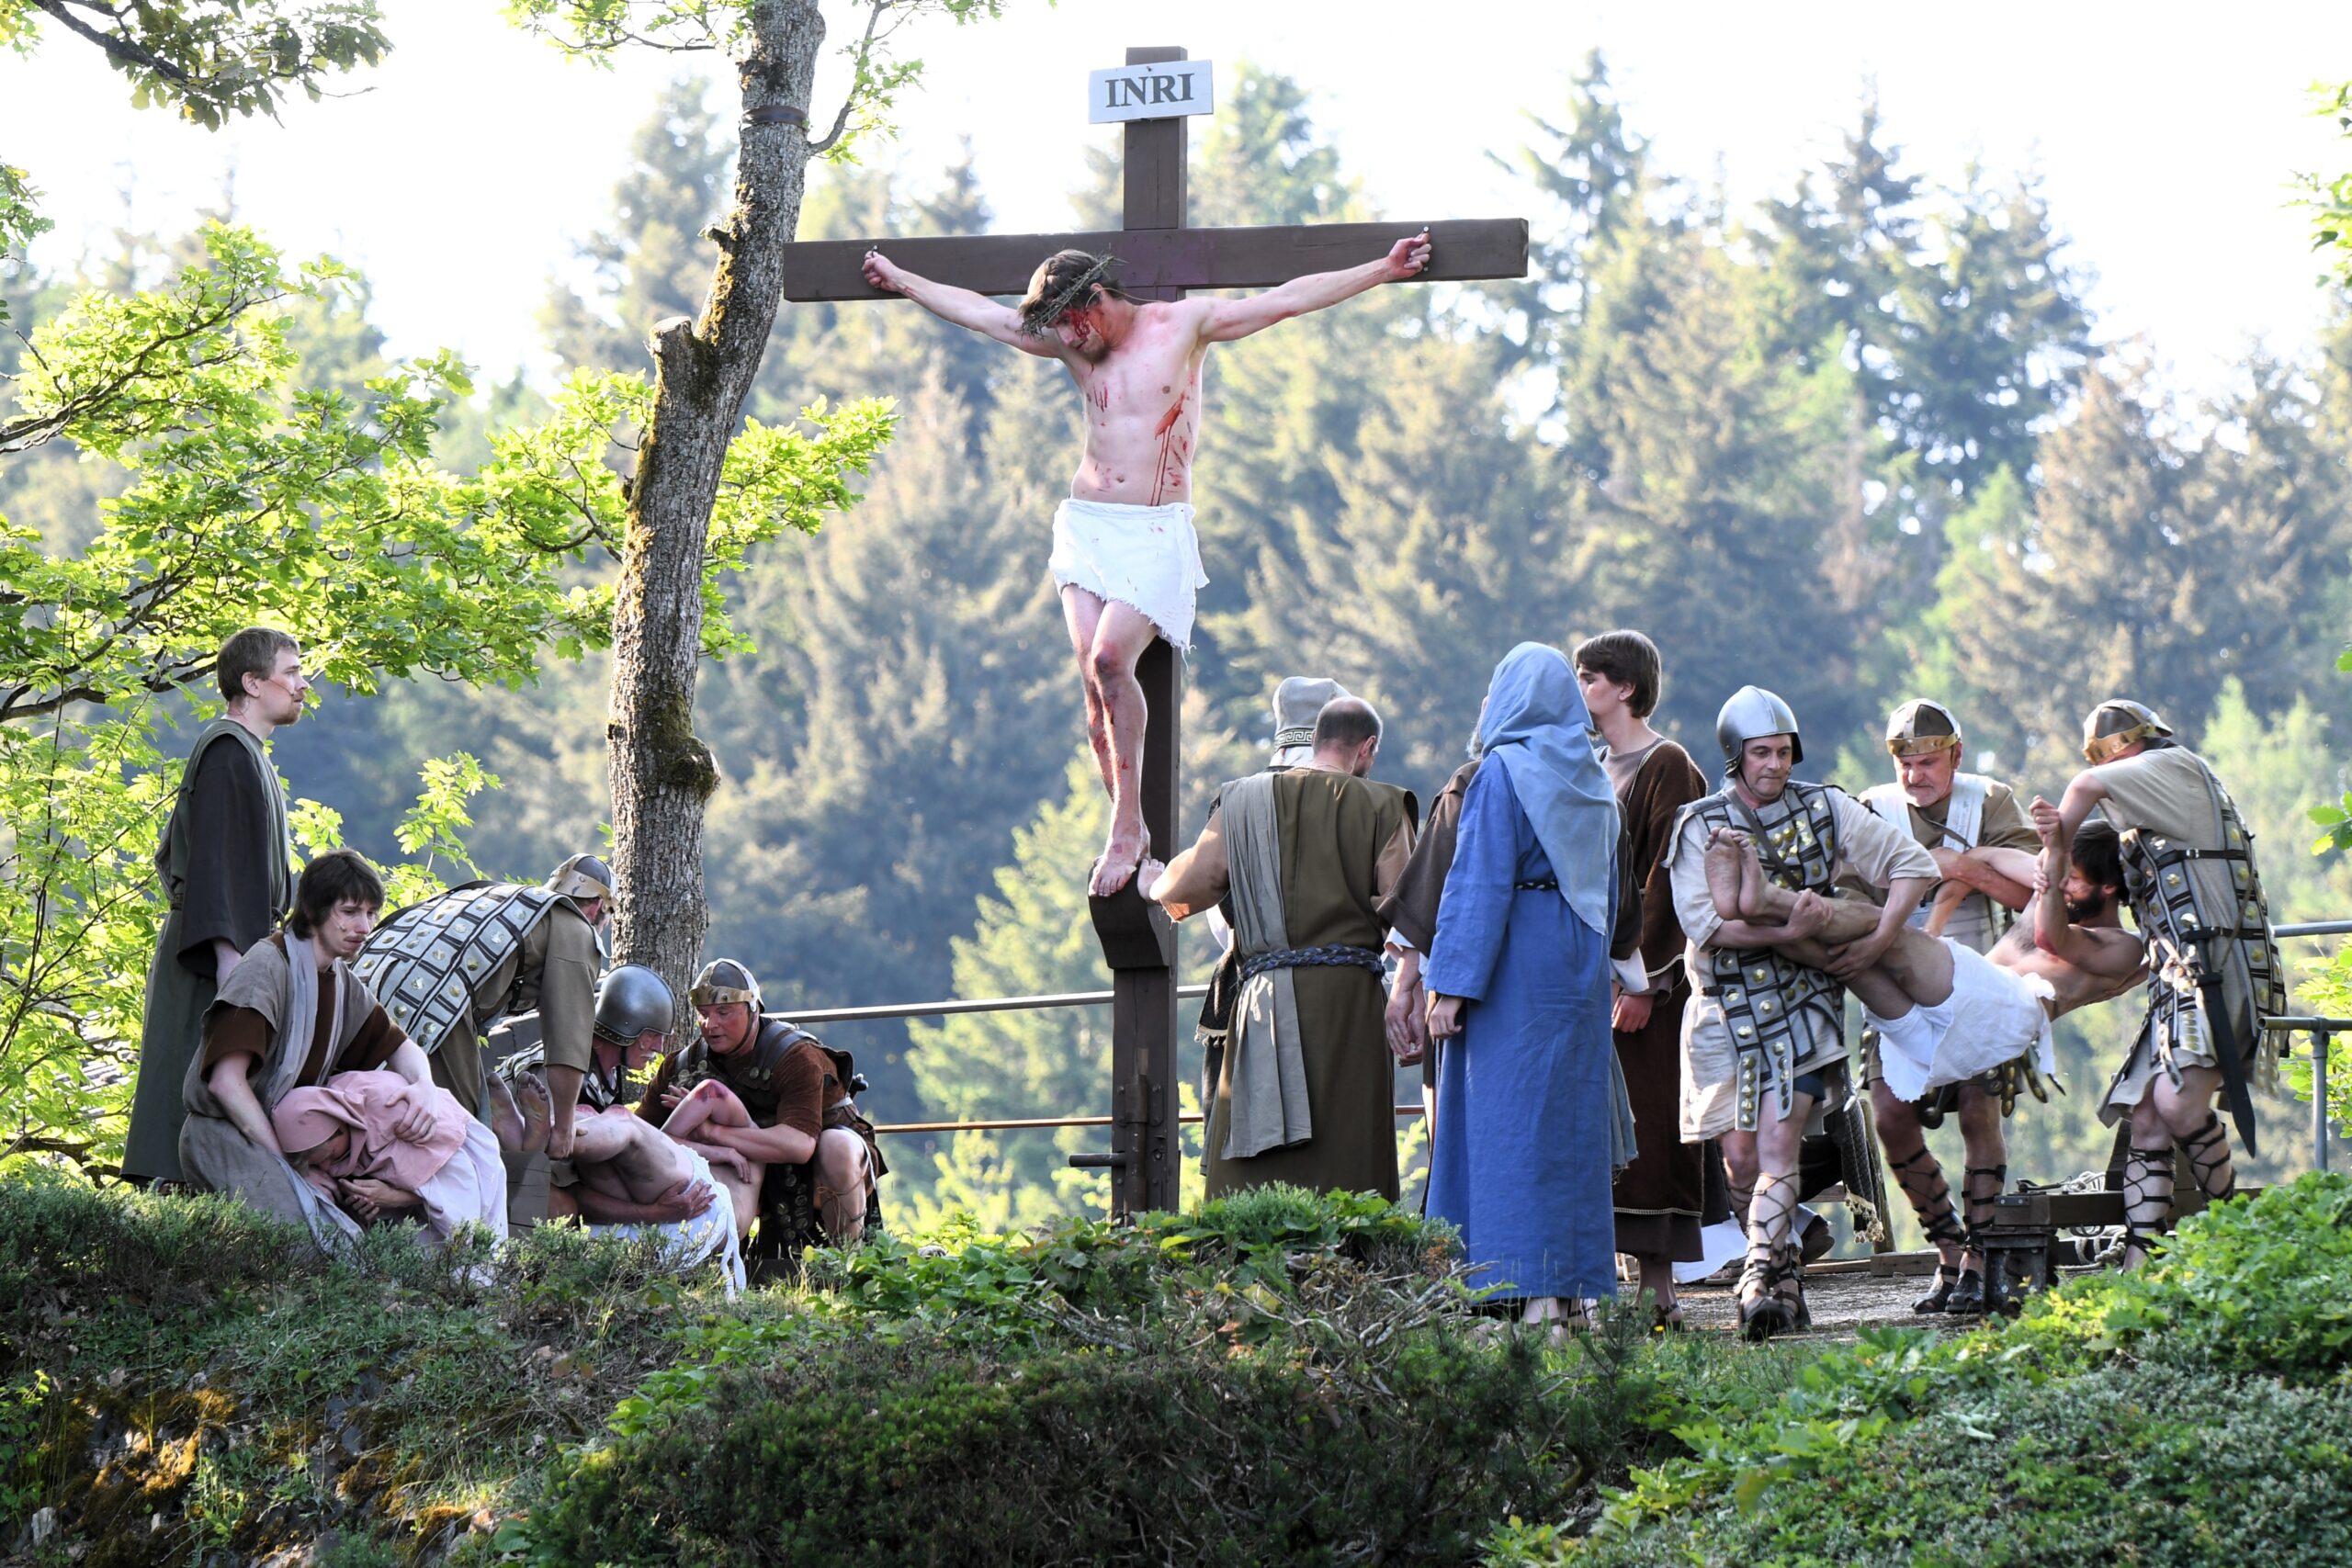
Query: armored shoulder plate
{"type": "Point", "coordinates": [596, 1092]}
{"type": "Point", "coordinates": [1762, 992]}
{"type": "Point", "coordinates": [423, 963]}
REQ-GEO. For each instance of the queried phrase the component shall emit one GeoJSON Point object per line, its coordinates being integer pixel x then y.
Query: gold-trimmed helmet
{"type": "Point", "coordinates": [1922, 727]}
{"type": "Point", "coordinates": [582, 877]}
{"type": "Point", "coordinates": [2117, 723]}
{"type": "Point", "coordinates": [722, 981]}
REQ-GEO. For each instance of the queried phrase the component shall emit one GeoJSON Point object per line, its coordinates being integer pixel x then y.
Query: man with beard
{"type": "Point", "coordinates": [1763, 1042]}
{"type": "Point", "coordinates": [226, 870]}
{"type": "Point", "coordinates": [1125, 559]}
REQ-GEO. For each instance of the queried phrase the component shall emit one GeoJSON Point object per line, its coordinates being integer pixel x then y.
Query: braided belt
{"type": "Point", "coordinates": [1329, 958]}
{"type": "Point", "coordinates": [1540, 885]}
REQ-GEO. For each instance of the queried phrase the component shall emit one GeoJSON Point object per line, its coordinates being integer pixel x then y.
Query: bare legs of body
{"type": "Point", "coordinates": [1109, 639]}
{"type": "Point", "coordinates": [2166, 1116]}
{"type": "Point", "coordinates": [522, 1115]}
{"type": "Point", "coordinates": [1915, 970]}
{"type": "Point", "coordinates": [712, 1104]}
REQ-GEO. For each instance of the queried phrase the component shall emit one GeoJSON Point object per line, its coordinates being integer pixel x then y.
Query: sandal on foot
{"type": "Point", "coordinates": [1967, 1299]}
{"type": "Point", "coordinates": [1940, 1298]}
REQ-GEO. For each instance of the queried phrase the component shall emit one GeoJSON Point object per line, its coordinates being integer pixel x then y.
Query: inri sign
{"type": "Point", "coordinates": [1150, 92]}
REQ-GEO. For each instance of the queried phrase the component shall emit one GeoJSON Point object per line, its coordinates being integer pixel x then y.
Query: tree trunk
{"type": "Point", "coordinates": [661, 773]}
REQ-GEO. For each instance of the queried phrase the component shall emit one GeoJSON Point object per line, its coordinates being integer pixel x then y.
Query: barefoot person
{"type": "Point", "coordinates": [1124, 556]}
{"type": "Point", "coordinates": [1763, 1041]}
{"type": "Point", "coordinates": [2213, 967]}
{"type": "Point", "coordinates": [771, 1107]}
{"type": "Point", "coordinates": [1986, 851]}
{"type": "Point", "coordinates": [628, 1161]}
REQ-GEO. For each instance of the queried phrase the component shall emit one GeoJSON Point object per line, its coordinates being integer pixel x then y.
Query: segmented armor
{"type": "Point", "coordinates": [1761, 991]}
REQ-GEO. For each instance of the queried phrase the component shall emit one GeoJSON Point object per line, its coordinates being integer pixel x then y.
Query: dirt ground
{"type": "Point", "coordinates": [1840, 1302]}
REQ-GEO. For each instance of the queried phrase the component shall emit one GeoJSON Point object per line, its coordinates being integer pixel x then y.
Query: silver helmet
{"type": "Point", "coordinates": [724, 981]}
{"type": "Point", "coordinates": [1753, 712]}
{"type": "Point", "coordinates": [633, 1000]}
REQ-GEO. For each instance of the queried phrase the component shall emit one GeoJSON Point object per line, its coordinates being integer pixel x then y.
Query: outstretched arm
{"type": "Point", "coordinates": [1229, 319]}
{"type": "Point", "coordinates": [2002, 874]}
{"type": "Point", "coordinates": [2085, 791]}
{"type": "Point", "coordinates": [961, 306]}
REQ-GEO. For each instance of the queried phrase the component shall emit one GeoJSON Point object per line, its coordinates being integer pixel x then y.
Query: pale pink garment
{"type": "Point", "coordinates": [370, 1105]}
{"type": "Point", "coordinates": [456, 1171]}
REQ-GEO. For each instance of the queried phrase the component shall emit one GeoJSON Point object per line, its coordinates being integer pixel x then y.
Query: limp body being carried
{"type": "Point", "coordinates": [1125, 555]}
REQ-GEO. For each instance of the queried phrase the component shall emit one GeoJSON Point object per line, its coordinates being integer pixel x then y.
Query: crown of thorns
{"type": "Point", "coordinates": [1037, 318]}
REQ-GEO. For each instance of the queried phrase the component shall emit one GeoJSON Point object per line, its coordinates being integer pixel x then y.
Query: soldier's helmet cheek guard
{"type": "Point", "coordinates": [1752, 713]}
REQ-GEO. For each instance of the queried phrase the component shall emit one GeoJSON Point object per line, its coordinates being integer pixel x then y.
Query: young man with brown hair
{"type": "Point", "coordinates": [226, 867]}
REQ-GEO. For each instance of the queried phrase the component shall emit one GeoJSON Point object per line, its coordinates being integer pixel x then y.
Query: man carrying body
{"type": "Point", "coordinates": [1986, 851]}
{"type": "Point", "coordinates": [1763, 1039]}
{"type": "Point", "coordinates": [1300, 1091]}
{"type": "Point", "coordinates": [227, 874]}
{"type": "Point", "coordinates": [768, 1091]}
{"type": "Point", "coordinates": [2214, 973]}
{"type": "Point", "coordinates": [1125, 559]}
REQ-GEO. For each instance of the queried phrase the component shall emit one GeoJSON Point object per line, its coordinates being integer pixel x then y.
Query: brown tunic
{"type": "Point", "coordinates": [1658, 1197]}
{"type": "Point", "coordinates": [1343, 842]}
{"type": "Point", "coordinates": [1411, 908]}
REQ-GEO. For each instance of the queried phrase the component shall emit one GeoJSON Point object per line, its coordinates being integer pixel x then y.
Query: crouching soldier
{"type": "Point", "coordinates": [771, 1107]}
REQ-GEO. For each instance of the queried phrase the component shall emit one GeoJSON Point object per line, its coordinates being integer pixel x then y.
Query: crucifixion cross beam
{"type": "Point", "coordinates": [1162, 259]}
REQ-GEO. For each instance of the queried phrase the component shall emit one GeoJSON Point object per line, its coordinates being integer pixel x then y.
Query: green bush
{"type": "Point", "coordinates": [866, 1451]}
{"type": "Point", "coordinates": [2158, 1467]}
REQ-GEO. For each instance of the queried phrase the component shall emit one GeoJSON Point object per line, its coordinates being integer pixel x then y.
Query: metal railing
{"type": "Point", "coordinates": [951, 1008]}
{"type": "Point", "coordinates": [2323, 1031]}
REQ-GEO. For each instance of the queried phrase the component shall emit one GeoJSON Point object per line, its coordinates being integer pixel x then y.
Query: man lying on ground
{"type": "Point", "coordinates": [622, 1158]}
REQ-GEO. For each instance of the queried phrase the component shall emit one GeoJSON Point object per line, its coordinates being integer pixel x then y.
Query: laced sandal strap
{"type": "Point", "coordinates": [2208, 1149]}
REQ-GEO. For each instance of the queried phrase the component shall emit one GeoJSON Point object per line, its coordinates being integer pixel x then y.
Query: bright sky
{"type": "Point", "coordinates": [2167, 135]}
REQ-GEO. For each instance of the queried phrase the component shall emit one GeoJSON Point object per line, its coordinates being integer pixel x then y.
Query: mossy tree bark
{"type": "Point", "coordinates": [662, 772]}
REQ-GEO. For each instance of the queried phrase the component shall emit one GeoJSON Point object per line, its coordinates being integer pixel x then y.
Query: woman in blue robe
{"type": "Point", "coordinates": [1527, 1103]}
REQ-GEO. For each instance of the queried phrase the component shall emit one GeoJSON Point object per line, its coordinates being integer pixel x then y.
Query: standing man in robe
{"type": "Point", "coordinates": [1986, 851]}
{"type": "Point", "coordinates": [2214, 972]}
{"type": "Point", "coordinates": [1301, 1092]}
{"type": "Point", "coordinates": [1125, 559]}
{"type": "Point", "coordinates": [1763, 1042]}
{"type": "Point", "coordinates": [226, 866]}
{"type": "Point", "coordinates": [1533, 1112]}
{"type": "Point", "coordinates": [1658, 1197]}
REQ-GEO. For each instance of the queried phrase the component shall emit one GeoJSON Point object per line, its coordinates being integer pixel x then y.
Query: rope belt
{"type": "Point", "coordinates": [1541, 885]}
{"type": "Point", "coordinates": [1330, 957]}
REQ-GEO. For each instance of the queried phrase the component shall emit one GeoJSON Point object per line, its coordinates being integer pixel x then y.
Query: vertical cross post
{"type": "Point", "coordinates": [1138, 940]}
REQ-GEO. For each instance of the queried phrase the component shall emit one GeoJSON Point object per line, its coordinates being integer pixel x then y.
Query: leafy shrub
{"type": "Point", "coordinates": [2159, 1467]}
{"type": "Point", "coordinates": [868, 1451]}
{"type": "Point", "coordinates": [2259, 1286]}
{"type": "Point", "coordinates": [1246, 1258]}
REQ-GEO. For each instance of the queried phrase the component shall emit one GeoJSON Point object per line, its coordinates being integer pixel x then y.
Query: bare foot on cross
{"type": "Point", "coordinates": [1126, 852]}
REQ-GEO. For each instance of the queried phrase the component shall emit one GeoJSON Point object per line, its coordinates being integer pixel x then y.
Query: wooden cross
{"type": "Point", "coordinates": [1161, 260]}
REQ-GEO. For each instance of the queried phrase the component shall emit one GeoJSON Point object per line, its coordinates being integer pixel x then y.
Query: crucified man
{"type": "Point", "coordinates": [1124, 556]}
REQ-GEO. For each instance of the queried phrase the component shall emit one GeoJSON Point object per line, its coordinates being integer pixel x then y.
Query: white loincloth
{"type": "Point", "coordinates": [1146, 558]}
{"type": "Point", "coordinates": [693, 1241]}
{"type": "Point", "coordinates": [469, 1189]}
{"type": "Point", "coordinates": [1992, 1016]}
